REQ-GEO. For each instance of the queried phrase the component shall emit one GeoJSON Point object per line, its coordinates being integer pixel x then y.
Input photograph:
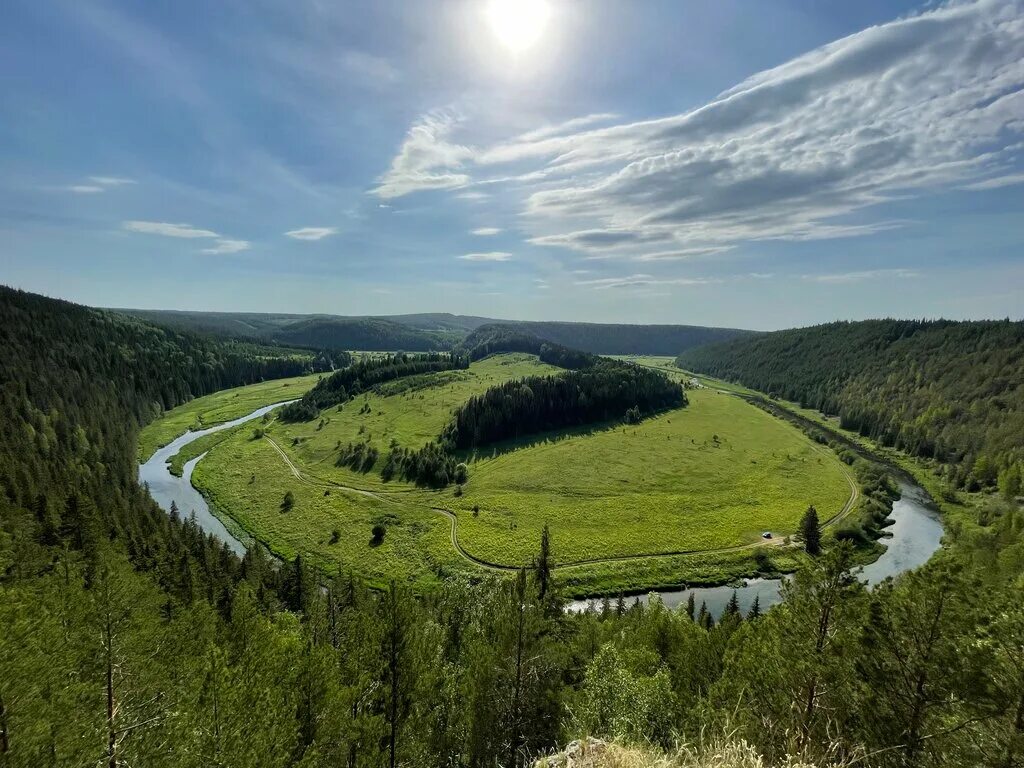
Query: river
{"type": "Point", "coordinates": [166, 488]}
{"type": "Point", "coordinates": [910, 540]}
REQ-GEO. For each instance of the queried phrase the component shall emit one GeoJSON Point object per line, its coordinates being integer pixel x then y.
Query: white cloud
{"type": "Point", "coordinates": [188, 232]}
{"type": "Point", "coordinates": [167, 230]}
{"type": "Point", "coordinates": [311, 233]}
{"type": "Point", "coordinates": [488, 256]}
{"type": "Point", "coordinates": [642, 281]}
{"type": "Point", "coordinates": [857, 277]}
{"type": "Point", "coordinates": [998, 182]}
{"type": "Point", "coordinates": [904, 109]}
{"type": "Point", "coordinates": [486, 231]}
{"type": "Point", "coordinates": [84, 189]}
{"type": "Point", "coordinates": [227, 246]}
{"type": "Point", "coordinates": [475, 197]}
{"type": "Point", "coordinates": [426, 160]}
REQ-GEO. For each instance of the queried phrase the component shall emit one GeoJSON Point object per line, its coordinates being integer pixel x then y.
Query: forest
{"type": "Point", "coordinates": [363, 375]}
{"type": "Point", "coordinates": [952, 391]}
{"type": "Point", "coordinates": [604, 391]}
{"type": "Point", "coordinates": [490, 339]}
{"type": "Point", "coordinates": [131, 639]}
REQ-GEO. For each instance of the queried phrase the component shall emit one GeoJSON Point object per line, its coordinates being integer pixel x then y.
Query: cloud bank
{"type": "Point", "coordinates": [921, 104]}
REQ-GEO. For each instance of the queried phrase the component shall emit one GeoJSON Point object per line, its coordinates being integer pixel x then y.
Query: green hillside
{"type": "Point", "coordinates": [952, 391]}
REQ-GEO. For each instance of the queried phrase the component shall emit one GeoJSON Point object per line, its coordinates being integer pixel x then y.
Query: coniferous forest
{"type": "Point", "coordinates": [952, 391]}
{"type": "Point", "coordinates": [605, 391]}
{"type": "Point", "coordinates": [129, 638]}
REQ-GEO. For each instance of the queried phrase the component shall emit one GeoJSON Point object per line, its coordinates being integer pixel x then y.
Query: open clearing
{"type": "Point", "coordinates": [217, 408]}
{"type": "Point", "coordinates": [687, 488]}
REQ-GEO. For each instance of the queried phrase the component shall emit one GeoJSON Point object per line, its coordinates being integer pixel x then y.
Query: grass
{"type": "Point", "coordinates": [713, 475]}
{"type": "Point", "coordinates": [246, 480]}
{"type": "Point", "coordinates": [666, 485]}
{"type": "Point", "coordinates": [217, 408]}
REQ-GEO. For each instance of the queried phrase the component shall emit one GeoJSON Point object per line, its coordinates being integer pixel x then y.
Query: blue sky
{"type": "Point", "coordinates": [715, 162]}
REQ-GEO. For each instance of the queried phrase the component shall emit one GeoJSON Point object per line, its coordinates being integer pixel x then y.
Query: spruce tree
{"type": "Point", "coordinates": [810, 532]}
{"type": "Point", "coordinates": [691, 607]}
{"type": "Point", "coordinates": [755, 609]}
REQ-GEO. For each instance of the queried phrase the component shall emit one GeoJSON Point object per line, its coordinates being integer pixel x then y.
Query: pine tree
{"type": "Point", "coordinates": [755, 609]}
{"type": "Point", "coordinates": [691, 606]}
{"type": "Point", "coordinates": [732, 608]}
{"type": "Point", "coordinates": [810, 532]}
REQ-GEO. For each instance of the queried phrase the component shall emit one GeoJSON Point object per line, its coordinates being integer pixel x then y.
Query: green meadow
{"type": "Point", "coordinates": [684, 495]}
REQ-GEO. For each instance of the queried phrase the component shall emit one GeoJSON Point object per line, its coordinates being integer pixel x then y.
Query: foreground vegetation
{"type": "Point", "coordinates": [129, 638]}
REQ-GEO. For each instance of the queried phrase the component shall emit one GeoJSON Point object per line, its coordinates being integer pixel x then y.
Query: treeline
{"type": "Point", "coordinates": [952, 391]}
{"type": "Point", "coordinates": [493, 339]}
{"type": "Point", "coordinates": [363, 376]}
{"type": "Point", "coordinates": [606, 391]}
{"type": "Point", "coordinates": [284, 669]}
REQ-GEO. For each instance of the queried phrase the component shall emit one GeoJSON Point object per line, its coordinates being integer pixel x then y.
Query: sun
{"type": "Point", "coordinates": [518, 24]}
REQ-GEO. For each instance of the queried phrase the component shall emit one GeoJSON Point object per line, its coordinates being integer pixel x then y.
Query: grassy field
{"type": "Point", "coordinates": [713, 475]}
{"type": "Point", "coordinates": [709, 477]}
{"type": "Point", "coordinates": [217, 408]}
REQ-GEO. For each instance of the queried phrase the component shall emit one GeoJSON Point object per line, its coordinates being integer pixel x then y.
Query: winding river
{"type": "Point", "coordinates": [165, 488]}
{"type": "Point", "coordinates": [910, 540]}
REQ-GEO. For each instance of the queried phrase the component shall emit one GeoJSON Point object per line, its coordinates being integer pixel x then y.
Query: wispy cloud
{"type": "Point", "coordinates": [488, 256]}
{"type": "Point", "coordinates": [486, 231]}
{"type": "Point", "coordinates": [922, 104]}
{"type": "Point", "coordinates": [426, 160]}
{"type": "Point", "coordinates": [111, 181]}
{"type": "Point", "coordinates": [97, 184]}
{"type": "Point", "coordinates": [311, 233]}
{"type": "Point", "coordinates": [167, 230]}
{"type": "Point", "coordinates": [998, 182]}
{"type": "Point", "coordinates": [227, 246]}
{"type": "Point", "coordinates": [857, 277]}
{"type": "Point", "coordinates": [188, 232]}
{"type": "Point", "coordinates": [642, 280]}
{"type": "Point", "coordinates": [683, 253]}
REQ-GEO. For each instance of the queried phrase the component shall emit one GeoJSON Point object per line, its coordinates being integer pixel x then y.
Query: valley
{"type": "Point", "coordinates": [681, 497]}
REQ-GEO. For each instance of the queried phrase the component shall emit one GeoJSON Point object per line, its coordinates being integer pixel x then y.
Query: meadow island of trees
{"type": "Point", "coordinates": [130, 638]}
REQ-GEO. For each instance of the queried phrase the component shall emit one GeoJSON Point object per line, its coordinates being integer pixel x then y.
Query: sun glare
{"type": "Point", "coordinates": [518, 24]}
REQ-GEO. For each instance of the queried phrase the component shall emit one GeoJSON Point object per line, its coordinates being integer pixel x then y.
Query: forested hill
{"type": "Point", "coordinates": [77, 382]}
{"type": "Point", "coordinates": [316, 331]}
{"type": "Point", "coordinates": [943, 389]}
{"type": "Point", "coordinates": [492, 339]}
{"type": "Point", "coordinates": [434, 331]}
{"type": "Point", "coordinates": [625, 339]}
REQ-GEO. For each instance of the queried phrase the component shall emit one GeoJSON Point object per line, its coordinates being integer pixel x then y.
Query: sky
{"type": "Point", "coordinates": [711, 162]}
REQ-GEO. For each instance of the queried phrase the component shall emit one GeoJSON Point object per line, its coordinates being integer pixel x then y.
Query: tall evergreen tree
{"type": "Point", "coordinates": [810, 532]}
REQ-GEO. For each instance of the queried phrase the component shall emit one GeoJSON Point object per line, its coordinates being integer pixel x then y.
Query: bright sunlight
{"type": "Point", "coordinates": [518, 24]}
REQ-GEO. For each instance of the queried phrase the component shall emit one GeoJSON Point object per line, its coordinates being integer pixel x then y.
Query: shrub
{"type": "Point", "coordinates": [288, 502]}
{"type": "Point", "coordinates": [378, 534]}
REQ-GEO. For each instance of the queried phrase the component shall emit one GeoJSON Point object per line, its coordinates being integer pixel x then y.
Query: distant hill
{"type": "Point", "coordinates": [432, 331]}
{"type": "Point", "coordinates": [949, 390]}
{"type": "Point", "coordinates": [623, 339]}
{"type": "Point", "coordinates": [317, 331]}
